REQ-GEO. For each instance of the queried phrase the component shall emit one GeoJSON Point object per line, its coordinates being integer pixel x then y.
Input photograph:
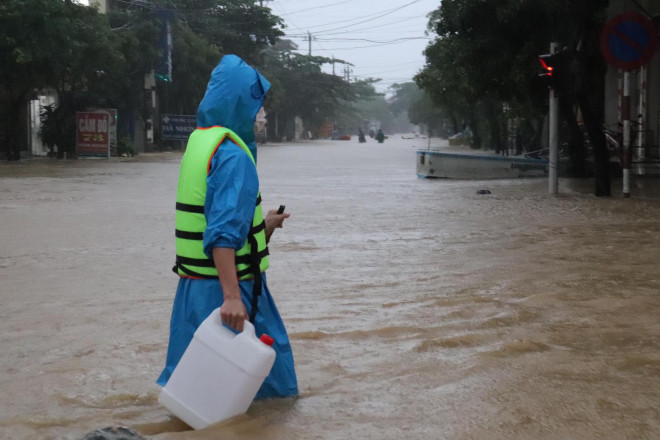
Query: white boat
{"type": "Point", "coordinates": [432, 163]}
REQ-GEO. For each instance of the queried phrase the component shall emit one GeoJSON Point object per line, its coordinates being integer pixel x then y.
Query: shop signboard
{"type": "Point", "coordinates": [92, 134]}
{"type": "Point", "coordinates": [177, 127]}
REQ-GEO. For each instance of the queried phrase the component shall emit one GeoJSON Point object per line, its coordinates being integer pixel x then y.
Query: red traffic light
{"type": "Point", "coordinates": [545, 60]}
{"type": "Point", "coordinates": [553, 68]}
{"type": "Point", "coordinates": [552, 63]}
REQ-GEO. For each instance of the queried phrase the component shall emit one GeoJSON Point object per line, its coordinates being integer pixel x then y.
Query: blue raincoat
{"type": "Point", "coordinates": [233, 97]}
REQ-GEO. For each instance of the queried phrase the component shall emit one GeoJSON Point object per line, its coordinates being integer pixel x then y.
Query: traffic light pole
{"type": "Point", "coordinates": [553, 131]}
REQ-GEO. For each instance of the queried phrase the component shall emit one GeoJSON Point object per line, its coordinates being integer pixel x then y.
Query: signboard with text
{"type": "Point", "coordinates": [177, 127]}
{"type": "Point", "coordinates": [92, 138]}
{"type": "Point", "coordinates": [112, 127]}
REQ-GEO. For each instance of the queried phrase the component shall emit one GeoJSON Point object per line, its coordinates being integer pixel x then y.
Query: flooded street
{"type": "Point", "coordinates": [416, 308]}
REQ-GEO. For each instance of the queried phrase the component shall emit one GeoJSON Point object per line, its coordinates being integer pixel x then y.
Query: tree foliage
{"type": "Point", "coordinates": [193, 60]}
{"type": "Point", "coordinates": [98, 60]}
{"type": "Point", "coordinates": [241, 27]}
{"type": "Point", "coordinates": [95, 60]}
{"type": "Point", "coordinates": [482, 66]}
{"type": "Point", "coordinates": [204, 30]}
{"type": "Point", "coordinates": [404, 94]}
{"type": "Point", "coordinates": [299, 87]}
{"type": "Point", "coordinates": [47, 43]}
{"type": "Point", "coordinates": [421, 110]}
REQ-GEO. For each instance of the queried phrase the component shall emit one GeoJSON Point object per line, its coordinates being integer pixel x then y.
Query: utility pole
{"type": "Point", "coordinates": [553, 131]}
{"type": "Point", "coordinates": [309, 39]}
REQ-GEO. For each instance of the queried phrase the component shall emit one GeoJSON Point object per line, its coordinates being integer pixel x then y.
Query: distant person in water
{"type": "Point", "coordinates": [380, 137]}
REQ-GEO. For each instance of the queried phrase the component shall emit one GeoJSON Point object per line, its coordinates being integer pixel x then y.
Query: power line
{"type": "Point", "coordinates": [278, 6]}
{"type": "Point", "coordinates": [391, 11]}
{"type": "Point", "coordinates": [332, 33]}
{"type": "Point", "coordinates": [406, 27]}
{"type": "Point", "coordinates": [390, 64]}
{"type": "Point", "coordinates": [308, 35]}
{"type": "Point", "coordinates": [373, 45]}
{"type": "Point", "coordinates": [374, 41]}
{"type": "Point", "coordinates": [322, 7]}
{"type": "Point", "coordinates": [372, 18]}
{"type": "Point", "coordinates": [416, 17]}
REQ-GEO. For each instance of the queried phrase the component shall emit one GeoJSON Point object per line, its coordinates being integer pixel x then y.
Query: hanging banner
{"type": "Point", "coordinates": [92, 137]}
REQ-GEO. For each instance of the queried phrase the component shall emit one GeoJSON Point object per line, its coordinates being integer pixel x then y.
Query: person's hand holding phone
{"type": "Point", "coordinates": [275, 219]}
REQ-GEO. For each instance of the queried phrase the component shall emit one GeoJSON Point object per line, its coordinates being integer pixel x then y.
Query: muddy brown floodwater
{"type": "Point", "coordinates": [417, 309]}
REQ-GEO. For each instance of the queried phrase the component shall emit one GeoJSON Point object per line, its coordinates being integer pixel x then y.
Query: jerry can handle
{"type": "Point", "coordinates": [248, 327]}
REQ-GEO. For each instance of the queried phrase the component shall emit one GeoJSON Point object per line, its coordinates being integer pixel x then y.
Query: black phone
{"type": "Point", "coordinates": [280, 210]}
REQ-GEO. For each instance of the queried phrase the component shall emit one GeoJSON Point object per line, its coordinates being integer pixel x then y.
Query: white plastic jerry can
{"type": "Point", "coordinates": [219, 373]}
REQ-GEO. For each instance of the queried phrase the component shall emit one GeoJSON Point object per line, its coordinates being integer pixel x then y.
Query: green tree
{"type": "Point", "coordinates": [422, 111]}
{"type": "Point", "coordinates": [193, 60]}
{"type": "Point", "coordinates": [409, 100]}
{"type": "Point", "coordinates": [71, 48]}
{"type": "Point", "coordinates": [48, 130]}
{"type": "Point", "coordinates": [484, 62]}
{"type": "Point", "coordinates": [97, 60]}
{"type": "Point", "coordinates": [358, 114]}
{"type": "Point", "coordinates": [404, 94]}
{"type": "Point", "coordinates": [202, 31]}
{"type": "Point", "coordinates": [136, 34]}
{"type": "Point", "coordinates": [446, 84]}
{"type": "Point", "coordinates": [481, 61]}
{"type": "Point", "coordinates": [241, 27]}
{"type": "Point", "coordinates": [299, 87]}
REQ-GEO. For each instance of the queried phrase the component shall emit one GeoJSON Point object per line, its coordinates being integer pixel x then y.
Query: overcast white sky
{"type": "Point", "coordinates": [382, 38]}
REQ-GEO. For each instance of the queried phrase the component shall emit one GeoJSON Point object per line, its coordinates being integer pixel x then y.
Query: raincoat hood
{"type": "Point", "coordinates": [233, 97]}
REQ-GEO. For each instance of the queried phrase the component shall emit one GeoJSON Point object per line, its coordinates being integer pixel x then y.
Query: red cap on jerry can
{"type": "Point", "coordinates": [267, 340]}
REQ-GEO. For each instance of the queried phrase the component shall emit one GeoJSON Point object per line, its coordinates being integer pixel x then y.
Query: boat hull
{"type": "Point", "coordinates": [475, 166]}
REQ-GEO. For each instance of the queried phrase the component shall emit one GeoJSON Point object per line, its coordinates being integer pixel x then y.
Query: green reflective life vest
{"type": "Point", "coordinates": [191, 261]}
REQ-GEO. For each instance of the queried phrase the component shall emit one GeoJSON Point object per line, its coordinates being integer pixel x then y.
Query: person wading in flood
{"type": "Point", "coordinates": [221, 235]}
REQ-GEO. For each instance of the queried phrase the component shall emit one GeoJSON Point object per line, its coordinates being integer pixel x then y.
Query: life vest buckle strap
{"type": "Point", "coordinates": [241, 273]}
{"type": "Point", "coordinates": [256, 271]}
{"type": "Point", "coordinates": [178, 233]}
{"type": "Point", "coordinates": [186, 207]}
{"type": "Point", "coordinates": [260, 227]}
{"type": "Point", "coordinates": [189, 272]}
{"type": "Point", "coordinates": [243, 259]}
{"type": "Point", "coordinates": [199, 262]}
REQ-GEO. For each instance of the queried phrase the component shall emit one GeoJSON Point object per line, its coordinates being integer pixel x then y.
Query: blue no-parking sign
{"type": "Point", "coordinates": [628, 41]}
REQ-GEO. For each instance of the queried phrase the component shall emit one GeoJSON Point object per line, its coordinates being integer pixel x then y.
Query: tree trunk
{"type": "Point", "coordinates": [16, 138]}
{"type": "Point", "coordinates": [576, 149]}
{"type": "Point", "coordinates": [15, 128]}
{"type": "Point", "coordinates": [590, 90]}
{"type": "Point", "coordinates": [601, 156]}
{"type": "Point", "coordinates": [66, 120]}
{"type": "Point", "coordinates": [493, 114]}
